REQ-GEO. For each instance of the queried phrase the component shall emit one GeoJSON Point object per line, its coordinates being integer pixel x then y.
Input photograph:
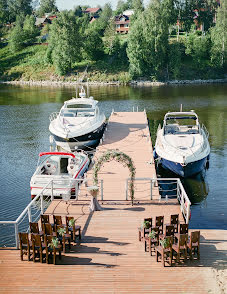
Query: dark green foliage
{"type": "Point", "coordinates": [47, 6]}
{"type": "Point", "coordinates": [23, 34]}
{"type": "Point", "coordinates": [3, 12]}
{"type": "Point", "coordinates": [205, 12]}
{"type": "Point", "coordinates": [16, 39]}
{"type": "Point", "coordinates": [148, 42]}
{"type": "Point", "coordinates": [65, 42]}
{"type": "Point", "coordinates": [198, 47]}
{"type": "Point", "coordinates": [101, 23]}
{"type": "Point", "coordinates": [138, 8]}
{"type": "Point", "coordinates": [121, 6]}
{"type": "Point", "coordinates": [78, 11]}
{"type": "Point", "coordinates": [30, 30]}
{"type": "Point", "coordinates": [219, 37]}
{"type": "Point", "coordinates": [201, 12]}
{"type": "Point", "coordinates": [93, 45]}
{"type": "Point", "coordinates": [111, 40]}
{"type": "Point", "coordinates": [18, 8]}
{"type": "Point", "coordinates": [174, 59]}
{"type": "Point", "coordinates": [186, 14]}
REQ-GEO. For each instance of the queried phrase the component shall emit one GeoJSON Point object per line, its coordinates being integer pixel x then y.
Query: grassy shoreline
{"type": "Point", "coordinates": [29, 67]}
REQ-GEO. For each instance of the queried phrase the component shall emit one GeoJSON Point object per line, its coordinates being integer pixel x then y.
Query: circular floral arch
{"type": "Point", "coordinates": [120, 157]}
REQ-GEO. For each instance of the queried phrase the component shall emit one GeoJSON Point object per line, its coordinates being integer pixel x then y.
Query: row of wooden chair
{"type": "Point", "coordinates": [159, 223]}
{"type": "Point", "coordinates": [57, 221]}
{"type": "Point", "coordinates": [175, 236]}
{"type": "Point", "coordinates": [183, 245]}
{"type": "Point", "coordinates": [36, 246]}
{"type": "Point", "coordinates": [41, 238]}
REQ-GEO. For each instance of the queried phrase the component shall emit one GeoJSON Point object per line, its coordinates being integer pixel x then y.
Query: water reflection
{"type": "Point", "coordinates": [196, 187]}
{"type": "Point", "coordinates": [24, 119]}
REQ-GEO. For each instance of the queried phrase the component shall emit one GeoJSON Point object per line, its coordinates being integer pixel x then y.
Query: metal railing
{"type": "Point", "coordinates": [168, 188]}
{"type": "Point", "coordinates": [34, 209]}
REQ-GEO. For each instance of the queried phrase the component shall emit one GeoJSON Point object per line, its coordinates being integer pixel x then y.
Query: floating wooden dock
{"type": "Point", "coordinates": [109, 258]}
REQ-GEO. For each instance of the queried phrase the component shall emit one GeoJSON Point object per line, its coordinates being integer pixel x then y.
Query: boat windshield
{"type": "Point", "coordinates": [181, 125]}
{"type": "Point", "coordinates": [79, 106]}
{"type": "Point", "coordinates": [79, 112]}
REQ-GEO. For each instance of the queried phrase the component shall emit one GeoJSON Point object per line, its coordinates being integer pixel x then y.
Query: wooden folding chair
{"type": "Point", "coordinates": [194, 244]}
{"type": "Point", "coordinates": [165, 252]}
{"type": "Point", "coordinates": [25, 245]}
{"type": "Point", "coordinates": [37, 246]}
{"type": "Point", "coordinates": [181, 247]}
{"type": "Point", "coordinates": [74, 229]}
{"type": "Point", "coordinates": [144, 231]}
{"type": "Point", "coordinates": [51, 250]}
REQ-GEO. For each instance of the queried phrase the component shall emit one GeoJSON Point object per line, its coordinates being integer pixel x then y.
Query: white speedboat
{"type": "Point", "coordinates": [182, 144]}
{"type": "Point", "coordinates": [79, 124]}
{"type": "Point", "coordinates": [65, 169]}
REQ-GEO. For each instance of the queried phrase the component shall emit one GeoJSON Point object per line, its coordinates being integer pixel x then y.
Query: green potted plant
{"type": "Point", "coordinates": [71, 222]}
{"type": "Point", "coordinates": [61, 231]}
{"type": "Point", "coordinates": [164, 243]}
{"type": "Point", "coordinates": [54, 243]}
{"type": "Point", "coordinates": [152, 234]}
{"type": "Point", "coordinates": [146, 224]}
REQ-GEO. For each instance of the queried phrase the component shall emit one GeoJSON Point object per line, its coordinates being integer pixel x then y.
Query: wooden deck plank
{"type": "Point", "coordinates": [110, 259]}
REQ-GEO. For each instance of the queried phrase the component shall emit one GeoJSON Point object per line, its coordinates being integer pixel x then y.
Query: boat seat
{"type": "Point", "coordinates": [171, 129]}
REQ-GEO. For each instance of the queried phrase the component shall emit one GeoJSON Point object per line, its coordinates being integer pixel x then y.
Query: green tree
{"type": "Point", "coordinates": [111, 40]}
{"type": "Point", "coordinates": [16, 38]}
{"type": "Point", "coordinates": [47, 6]}
{"type": "Point", "coordinates": [205, 12]}
{"type": "Point", "coordinates": [3, 12]}
{"type": "Point", "coordinates": [93, 45]}
{"type": "Point", "coordinates": [219, 37]}
{"type": "Point", "coordinates": [19, 8]}
{"type": "Point", "coordinates": [174, 59]}
{"type": "Point", "coordinates": [138, 8]}
{"type": "Point", "coordinates": [198, 47]}
{"type": "Point", "coordinates": [148, 42]}
{"type": "Point", "coordinates": [121, 6]}
{"type": "Point", "coordinates": [102, 22]}
{"type": "Point", "coordinates": [65, 42]}
{"type": "Point", "coordinates": [185, 13]}
{"type": "Point", "coordinates": [30, 30]}
{"type": "Point", "coordinates": [78, 11]}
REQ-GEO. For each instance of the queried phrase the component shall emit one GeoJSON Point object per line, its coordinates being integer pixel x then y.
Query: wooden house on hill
{"type": "Point", "coordinates": [93, 11]}
{"type": "Point", "coordinates": [122, 22]}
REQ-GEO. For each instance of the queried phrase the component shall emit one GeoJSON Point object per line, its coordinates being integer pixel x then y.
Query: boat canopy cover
{"type": "Point", "coordinates": [56, 153]}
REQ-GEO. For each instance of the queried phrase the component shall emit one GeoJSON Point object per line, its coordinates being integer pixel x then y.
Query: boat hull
{"type": "Point", "coordinates": [188, 170]}
{"type": "Point", "coordinates": [90, 139]}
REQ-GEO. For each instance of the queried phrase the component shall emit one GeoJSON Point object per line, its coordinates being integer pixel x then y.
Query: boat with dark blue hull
{"type": "Point", "coordinates": [79, 124]}
{"type": "Point", "coordinates": [182, 144]}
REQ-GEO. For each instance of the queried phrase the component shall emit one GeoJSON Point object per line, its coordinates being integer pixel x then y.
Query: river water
{"type": "Point", "coordinates": [24, 121]}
